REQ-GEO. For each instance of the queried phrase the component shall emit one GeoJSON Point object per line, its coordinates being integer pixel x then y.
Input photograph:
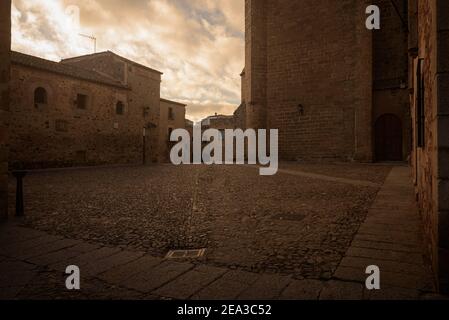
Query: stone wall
{"type": "Point", "coordinates": [240, 117]}
{"type": "Point", "coordinates": [145, 93]}
{"type": "Point", "coordinates": [442, 80]}
{"type": "Point", "coordinates": [308, 73]}
{"type": "Point", "coordinates": [431, 161]}
{"type": "Point", "coordinates": [255, 76]}
{"type": "Point", "coordinates": [169, 122]}
{"type": "Point", "coordinates": [58, 133]}
{"type": "Point", "coordinates": [390, 71]}
{"type": "Point", "coordinates": [5, 44]}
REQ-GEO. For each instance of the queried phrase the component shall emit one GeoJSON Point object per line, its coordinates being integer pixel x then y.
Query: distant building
{"type": "Point", "coordinates": [219, 122]}
{"type": "Point", "coordinates": [240, 112]}
{"type": "Point", "coordinates": [173, 116]}
{"type": "Point", "coordinates": [189, 126]}
{"type": "Point", "coordinates": [89, 110]}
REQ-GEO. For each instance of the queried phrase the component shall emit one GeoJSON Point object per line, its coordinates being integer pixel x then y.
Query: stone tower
{"type": "Point", "coordinates": [314, 71]}
{"type": "Point", "coordinates": [5, 45]}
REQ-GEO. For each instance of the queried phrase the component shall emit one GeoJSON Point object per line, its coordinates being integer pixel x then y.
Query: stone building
{"type": "Point", "coordinates": [219, 122]}
{"type": "Point", "coordinates": [189, 126]}
{"type": "Point", "coordinates": [240, 112]}
{"type": "Point", "coordinates": [173, 116]}
{"type": "Point", "coordinates": [90, 110]}
{"type": "Point", "coordinates": [5, 45]}
{"type": "Point", "coordinates": [336, 90]}
{"type": "Point", "coordinates": [333, 88]}
{"type": "Point", "coordinates": [429, 97]}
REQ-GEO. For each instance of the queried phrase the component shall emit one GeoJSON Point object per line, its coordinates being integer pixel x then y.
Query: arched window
{"type": "Point", "coordinates": [40, 96]}
{"type": "Point", "coordinates": [120, 108]}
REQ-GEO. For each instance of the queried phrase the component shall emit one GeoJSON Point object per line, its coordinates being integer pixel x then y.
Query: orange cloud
{"type": "Point", "coordinates": [198, 44]}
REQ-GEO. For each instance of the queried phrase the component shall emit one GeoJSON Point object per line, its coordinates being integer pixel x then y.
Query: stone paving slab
{"type": "Point", "coordinates": [53, 259]}
{"type": "Point", "coordinates": [14, 275]}
{"type": "Point", "coordinates": [328, 178]}
{"type": "Point", "coordinates": [152, 279]}
{"type": "Point", "coordinates": [390, 238]}
{"type": "Point", "coordinates": [394, 236]}
{"type": "Point", "coordinates": [389, 266]}
{"type": "Point", "coordinates": [388, 255]}
{"type": "Point", "coordinates": [340, 290]}
{"type": "Point", "coordinates": [10, 236]}
{"type": "Point", "coordinates": [266, 287]}
{"type": "Point", "coordinates": [86, 259]}
{"type": "Point", "coordinates": [115, 260]}
{"type": "Point", "coordinates": [27, 246]}
{"type": "Point", "coordinates": [121, 274]}
{"type": "Point", "coordinates": [41, 250]}
{"type": "Point", "coordinates": [410, 229]}
{"type": "Point", "coordinates": [190, 283]}
{"type": "Point", "coordinates": [392, 293]}
{"type": "Point", "coordinates": [227, 287]}
{"type": "Point", "coordinates": [385, 246]}
{"type": "Point", "coordinates": [388, 279]}
{"type": "Point", "coordinates": [302, 290]}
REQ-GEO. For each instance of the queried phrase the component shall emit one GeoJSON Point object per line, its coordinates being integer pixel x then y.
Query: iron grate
{"type": "Point", "coordinates": [185, 254]}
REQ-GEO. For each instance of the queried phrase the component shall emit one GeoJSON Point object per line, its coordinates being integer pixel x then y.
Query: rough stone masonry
{"type": "Point", "coordinates": [328, 84]}
{"type": "Point", "coordinates": [5, 44]}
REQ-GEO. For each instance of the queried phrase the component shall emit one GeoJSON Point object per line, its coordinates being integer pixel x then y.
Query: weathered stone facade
{"type": "Point", "coordinates": [219, 122]}
{"type": "Point", "coordinates": [316, 73]}
{"type": "Point", "coordinates": [173, 116]}
{"type": "Point", "coordinates": [429, 78]}
{"type": "Point", "coordinates": [5, 44]}
{"type": "Point", "coordinates": [145, 94]}
{"type": "Point", "coordinates": [390, 76]}
{"type": "Point", "coordinates": [240, 112]}
{"type": "Point", "coordinates": [91, 110]}
{"type": "Point", "coordinates": [189, 126]}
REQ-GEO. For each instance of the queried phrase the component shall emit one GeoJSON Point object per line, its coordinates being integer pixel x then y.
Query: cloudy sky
{"type": "Point", "coordinates": [197, 44]}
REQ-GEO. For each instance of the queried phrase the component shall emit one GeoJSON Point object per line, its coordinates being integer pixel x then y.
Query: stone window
{"type": "Point", "coordinates": [61, 126]}
{"type": "Point", "coordinates": [171, 114]}
{"type": "Point", "coordinates": [420, 105]}
{"type": "Point", "coordinates": [81, 101]}
{"type": "Point", "coordinates": [40, 96]}
{"type": "Point", "coordinates": [120, 108]}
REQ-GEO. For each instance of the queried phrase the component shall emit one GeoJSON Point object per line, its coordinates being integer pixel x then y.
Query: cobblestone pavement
{"type": "Point", "coordinates": [285, 224]}
{"type": "Point", "coordinates": [288, 238]}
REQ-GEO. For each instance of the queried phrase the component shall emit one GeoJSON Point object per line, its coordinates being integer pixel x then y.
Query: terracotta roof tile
{"type": "Point", "coordinates": [63, 69]}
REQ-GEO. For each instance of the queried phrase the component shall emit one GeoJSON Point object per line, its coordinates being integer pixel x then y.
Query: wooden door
{"type": "Point", "coordinates": [388, 138]}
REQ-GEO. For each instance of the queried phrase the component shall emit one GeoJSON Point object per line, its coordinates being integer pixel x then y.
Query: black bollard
{"type": "Point", "coordinates": [19, 175]}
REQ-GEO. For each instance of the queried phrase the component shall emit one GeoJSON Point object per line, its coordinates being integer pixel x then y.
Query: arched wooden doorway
{"type": "Point", "coordinates": [388, 132]}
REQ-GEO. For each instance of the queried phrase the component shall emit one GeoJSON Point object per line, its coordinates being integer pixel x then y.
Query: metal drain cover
{"type": "Point", "coordinates": [185, 254]}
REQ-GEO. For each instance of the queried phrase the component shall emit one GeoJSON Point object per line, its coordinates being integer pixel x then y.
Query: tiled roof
{"type": "Point", "coordinates": [87, 56]}
{"type": "Point", "coordinates": [63, 69]}
{"type": "Point", "coordinates": [173, 102]}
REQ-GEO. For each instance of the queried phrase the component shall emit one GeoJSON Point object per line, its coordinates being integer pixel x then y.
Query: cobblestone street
{"type": "Point", "coordinates": [290, 236]}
